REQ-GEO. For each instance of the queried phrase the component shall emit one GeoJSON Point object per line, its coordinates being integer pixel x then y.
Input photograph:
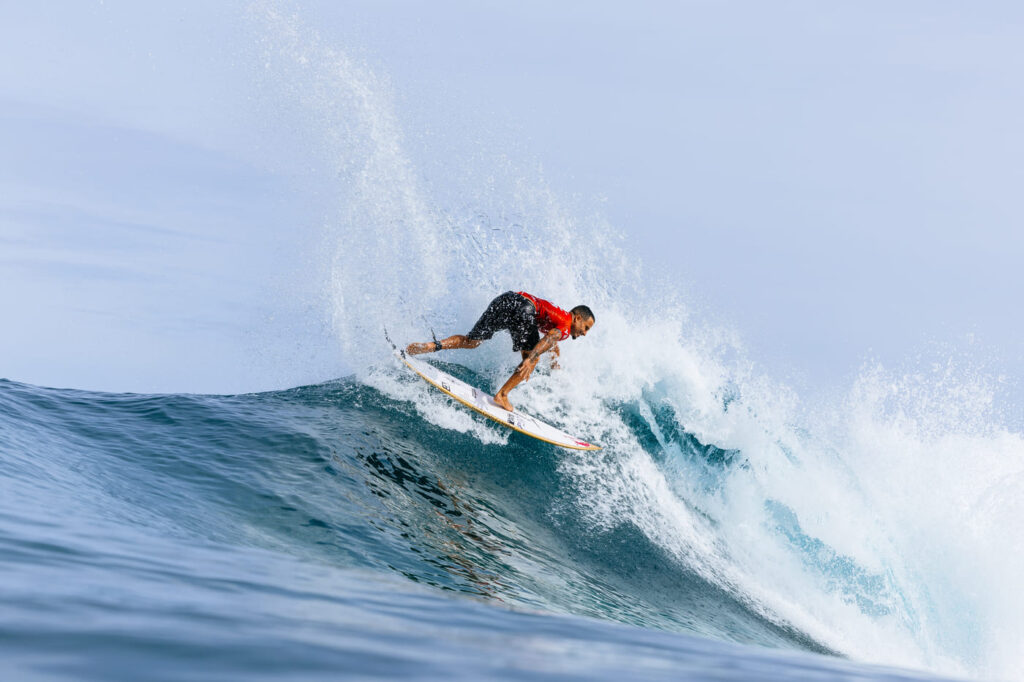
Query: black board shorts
{"type": "Point", "coordinates": [512, 312]}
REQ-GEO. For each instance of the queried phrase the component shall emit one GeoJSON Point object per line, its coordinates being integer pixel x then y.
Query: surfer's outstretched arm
{"type": "Point", "coordinates": [525, 368]}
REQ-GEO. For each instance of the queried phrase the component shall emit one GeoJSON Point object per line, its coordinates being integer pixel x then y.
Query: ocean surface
{"type": "Point", "coordinates": [329, 531]}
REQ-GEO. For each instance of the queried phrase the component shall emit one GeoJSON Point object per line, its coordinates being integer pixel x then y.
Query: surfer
{"type": "Point", "coordinates": [536, 327]}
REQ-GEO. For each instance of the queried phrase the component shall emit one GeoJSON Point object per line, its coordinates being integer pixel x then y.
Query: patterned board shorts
{"type": "Point", "coordinates": [512, 312]}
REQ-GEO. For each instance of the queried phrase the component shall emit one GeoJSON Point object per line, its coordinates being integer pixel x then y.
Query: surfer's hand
{"type": "Point", "coordinates": [525, 368]}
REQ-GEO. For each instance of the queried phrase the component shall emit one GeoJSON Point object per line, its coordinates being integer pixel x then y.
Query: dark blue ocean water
{"type": "Point", "coordinates": [326, 532]}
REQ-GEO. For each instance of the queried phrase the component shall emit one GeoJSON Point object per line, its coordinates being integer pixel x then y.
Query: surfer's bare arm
{"type": "Point", "coordinates": [555, 354]}
{"type": "Point", "coordinates": [525, 368]}
{"type": "Point", "coordinates": [548, 343]}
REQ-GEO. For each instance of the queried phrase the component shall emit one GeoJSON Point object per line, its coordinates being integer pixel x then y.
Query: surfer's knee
{"type": "Point", "coordinates": [460, 341]}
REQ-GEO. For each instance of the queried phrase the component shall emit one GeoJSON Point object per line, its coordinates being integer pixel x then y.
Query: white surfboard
{"type": "Point", "coordinates": [481, 402]}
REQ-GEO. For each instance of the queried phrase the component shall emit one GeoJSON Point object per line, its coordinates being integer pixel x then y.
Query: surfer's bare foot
{"type": "Point", "coordinates": [419, 348]}
{"type": "Point", "coordinates": [502, 401]}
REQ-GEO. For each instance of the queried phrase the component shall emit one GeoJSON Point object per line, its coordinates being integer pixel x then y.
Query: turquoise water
{"type": "Point", "coordinates": [328, 530]}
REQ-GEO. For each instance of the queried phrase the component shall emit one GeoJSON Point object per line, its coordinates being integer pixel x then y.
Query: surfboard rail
{"type": "Point", "coordinates": [483, 403]}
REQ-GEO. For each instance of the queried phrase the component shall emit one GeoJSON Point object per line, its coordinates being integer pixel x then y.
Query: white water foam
{"type": "Point", "coordinates": [886, 525]}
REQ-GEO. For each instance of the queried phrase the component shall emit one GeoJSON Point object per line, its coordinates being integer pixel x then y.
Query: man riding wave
{"type": "Point", "coordinates": [536, 327]}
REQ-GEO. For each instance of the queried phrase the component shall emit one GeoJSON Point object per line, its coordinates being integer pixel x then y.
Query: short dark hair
{"type": "Point", "coordinates": [584, 312]}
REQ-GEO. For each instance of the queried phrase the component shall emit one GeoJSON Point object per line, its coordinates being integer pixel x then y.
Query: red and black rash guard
{"type": "Point", "coordinates": [549, 316]}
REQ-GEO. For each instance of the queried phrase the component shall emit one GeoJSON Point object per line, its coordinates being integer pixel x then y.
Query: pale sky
{"type": "Point", "coordinates": [836, 182]}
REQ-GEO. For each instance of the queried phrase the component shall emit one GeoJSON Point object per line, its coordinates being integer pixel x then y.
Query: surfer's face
{"type": "Point", "coordinates": [580, 326]}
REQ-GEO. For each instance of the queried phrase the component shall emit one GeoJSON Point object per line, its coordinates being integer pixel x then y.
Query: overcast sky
{"type": "Point", "coordinates": [837, 182]}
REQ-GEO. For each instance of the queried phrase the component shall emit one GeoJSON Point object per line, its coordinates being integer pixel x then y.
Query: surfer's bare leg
{"type": "Point", "coordinates": [501, 399]}
{"type": "Point", "coordinates": [522, 373]}
{"type": "Point", "coordinates": [451, 343]}
{"type": "Point", "coordinates": [525, 368]}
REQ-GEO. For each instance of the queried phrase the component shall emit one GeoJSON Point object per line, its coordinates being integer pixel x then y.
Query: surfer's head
{"type": "Point", "coordinates": [582, 321]}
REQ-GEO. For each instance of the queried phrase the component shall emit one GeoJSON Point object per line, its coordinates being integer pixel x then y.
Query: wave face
{"type": "Point", "coordinates": [878, 521]}
{"type": "Point", "coordinates": [343, 475]}
{"type": "Point", "coordinates": [243, 534]}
